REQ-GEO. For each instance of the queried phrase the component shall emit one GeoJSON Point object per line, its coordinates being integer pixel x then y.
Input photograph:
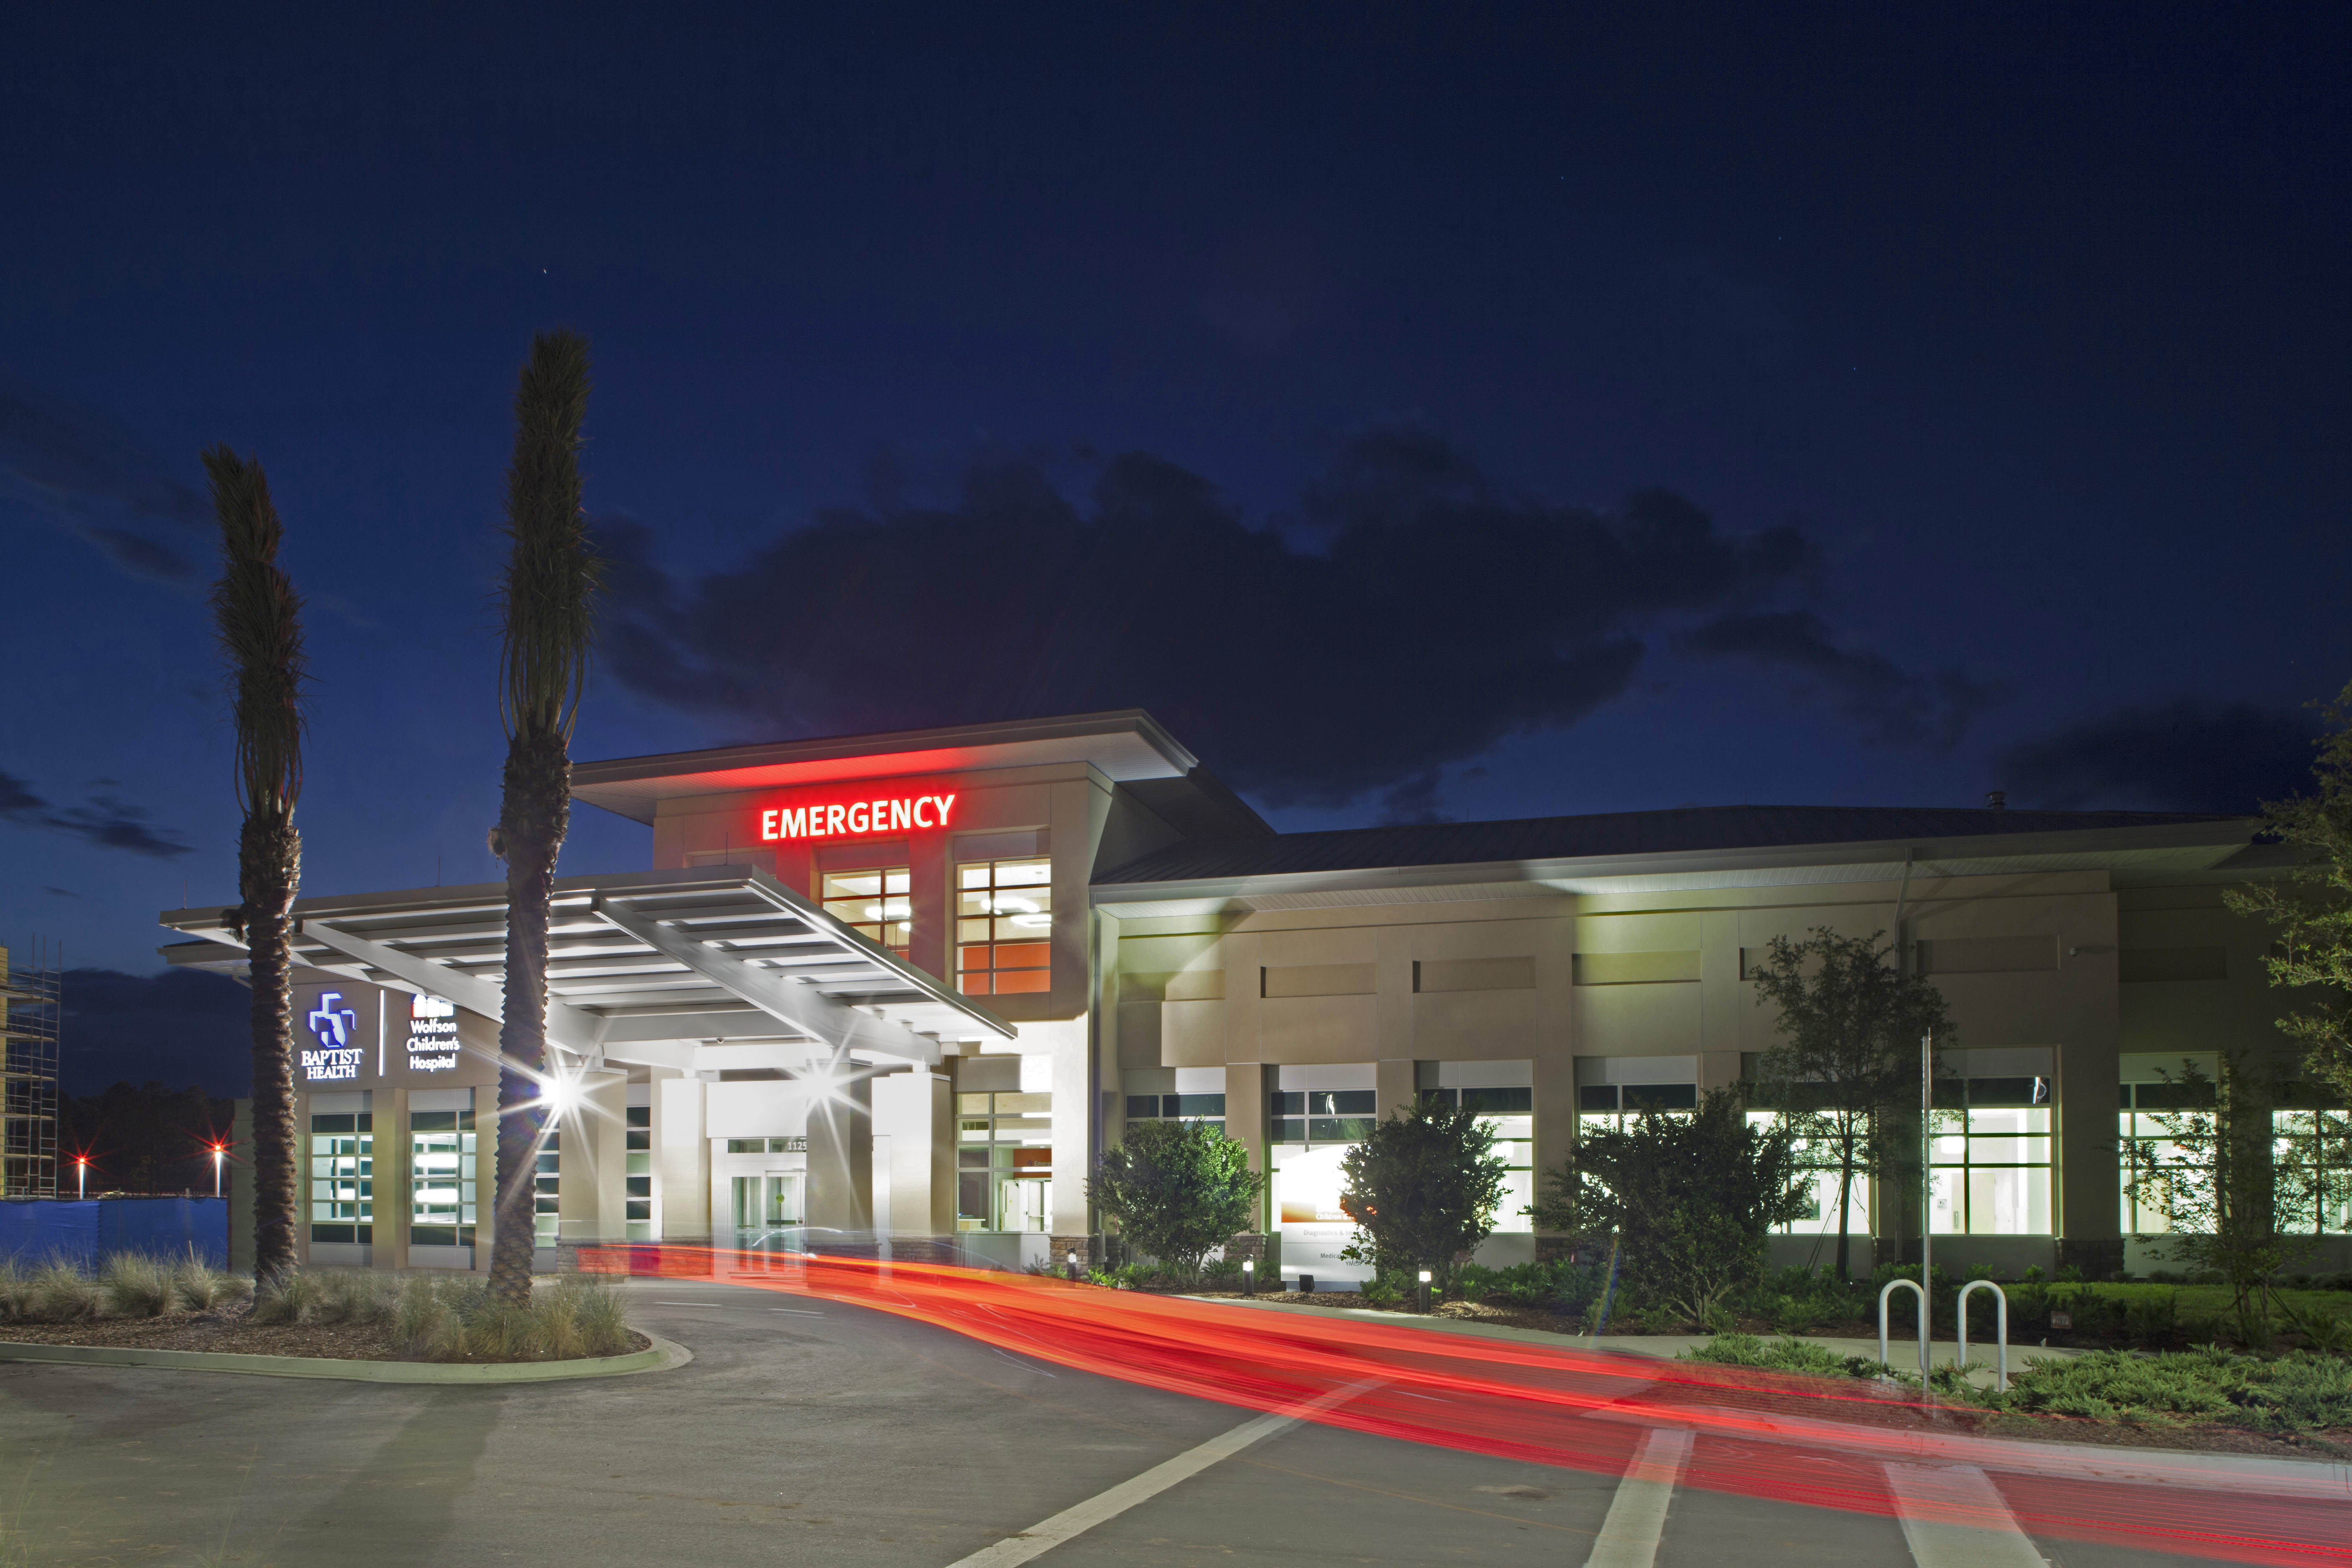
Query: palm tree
{"type": "Point", "coordinates": [549, 602]}
{"type": "Point", "coordinates": [259, 615]}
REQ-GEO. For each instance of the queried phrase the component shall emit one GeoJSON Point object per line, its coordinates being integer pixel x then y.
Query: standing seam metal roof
{"type": "Point", "coordinates": [1689, 829]}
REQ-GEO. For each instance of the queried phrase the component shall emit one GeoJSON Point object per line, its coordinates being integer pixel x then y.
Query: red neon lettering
{"type": "Point", "coordinates": [883, 816]}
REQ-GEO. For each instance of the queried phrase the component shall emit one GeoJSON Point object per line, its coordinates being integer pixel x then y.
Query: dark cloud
{"type": "Point", "coordinates": [83, 471]}
{"type": "Point", "coordinates": [1890, 705]}
{"type": "Point", "coordinates": [2182, 756]}
{"type": "Point", "coordinates": [176, 1027]}
{"type": "Point", "coordinates": [62, 893]}
{"type": "Point", "coordinates": [139, 556]}
{"type": "Point", "coordinates": [1412, 802]}
{"type": "Point", "coordinates": [18, 801]}
{"type": "Point", "coordinates": [103, 819]}
{"type": "Point", "coordinates": [1439, 614]}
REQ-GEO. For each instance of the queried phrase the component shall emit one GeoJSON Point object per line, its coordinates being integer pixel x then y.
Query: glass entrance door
{"type": "Point", "coordinates": [1026, 1205]}
{"type": "Point", "coordinates": [768, 1203]}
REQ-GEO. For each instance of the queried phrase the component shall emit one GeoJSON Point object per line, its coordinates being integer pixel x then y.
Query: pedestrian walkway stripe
{"type": "Point", "coordinates": [1637, 1514]}
{"type": "Point", "coordinates": [1039, 1539]}
{"type": "Point", "coordinates": [1953, 1517]}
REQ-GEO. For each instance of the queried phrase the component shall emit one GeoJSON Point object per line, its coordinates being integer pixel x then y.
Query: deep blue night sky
{"type": "Point", "coordinates": [1306, 375]}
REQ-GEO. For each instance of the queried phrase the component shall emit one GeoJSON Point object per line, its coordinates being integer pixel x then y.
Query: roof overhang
{"type": "Point", "coordinates": [2163, 853]}
{"type": "Point", "coordinates": [720, 953]}
{"type": "Point", "coordinates": [1122, 745]}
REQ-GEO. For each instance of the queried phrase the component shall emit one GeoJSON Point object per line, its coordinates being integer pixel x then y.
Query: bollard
{"type": "Point", "coordinates": [1073, 1267]}
{"type": "Point", "coordinates": [1424, 1291]}
{"type": "Point", "coordinates": [1249, 1276]}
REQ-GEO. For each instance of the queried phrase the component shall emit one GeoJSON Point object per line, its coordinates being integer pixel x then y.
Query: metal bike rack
{"type": "Point", "coordinates": [2001, 1328]}
{"type": "Point", "coordinates": [1912, 1286]}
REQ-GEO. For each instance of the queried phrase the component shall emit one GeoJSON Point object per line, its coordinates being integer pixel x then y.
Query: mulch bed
{"type": "Point", "coordinates": [227, 1333]}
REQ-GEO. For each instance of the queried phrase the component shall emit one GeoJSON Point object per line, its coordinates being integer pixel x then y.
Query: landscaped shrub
{"type": "Point", "coordinates": [60, 1292]}
{"type": "Point", "coordinates": [1783, 1355]}
{"type": "Point", "coordinates": [134, 1285]}
{"type": "Point", "coordinates": [2298, 1391]}
{"type": "Point", "coordinates": [200, 1287]}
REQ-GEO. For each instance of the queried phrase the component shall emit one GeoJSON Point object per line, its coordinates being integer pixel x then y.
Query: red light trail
{"type": "Point", "coordinates": [1812, 1441]}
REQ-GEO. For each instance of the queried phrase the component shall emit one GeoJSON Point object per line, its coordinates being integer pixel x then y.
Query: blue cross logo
{"type": "Point", "coordinates": [330, 1024]}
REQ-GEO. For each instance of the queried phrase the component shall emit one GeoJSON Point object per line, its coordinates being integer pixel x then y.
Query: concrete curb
{"type": "Point", "coordinates": [662, 1356]}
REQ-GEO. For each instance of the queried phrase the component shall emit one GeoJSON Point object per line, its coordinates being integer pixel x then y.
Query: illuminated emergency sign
{"type": "Point", "coordinates": [847, 818]}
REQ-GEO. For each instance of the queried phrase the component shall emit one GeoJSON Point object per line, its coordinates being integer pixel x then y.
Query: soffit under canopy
{"type": "Point", "coordinates": [711, 954]}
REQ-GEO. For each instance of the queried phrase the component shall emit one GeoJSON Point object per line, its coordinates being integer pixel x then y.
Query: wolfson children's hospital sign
{"type": "Point", "coordinates": [848, 818]}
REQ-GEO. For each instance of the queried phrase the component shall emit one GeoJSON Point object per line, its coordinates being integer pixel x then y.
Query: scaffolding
{"type": "Point", "coordinates": [29, 1017]}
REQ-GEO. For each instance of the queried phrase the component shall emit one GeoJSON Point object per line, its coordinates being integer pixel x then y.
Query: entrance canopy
{"type": "Point", "coordinates": [710, 968]}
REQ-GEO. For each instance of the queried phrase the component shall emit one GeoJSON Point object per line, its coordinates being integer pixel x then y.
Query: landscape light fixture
{"type": "Point", "coordinates": [1249, 1276]}
{"type": "Point", "coordinates": [1074, 1265]}
{"type": "Point", "coordinates": [1424, 1290]}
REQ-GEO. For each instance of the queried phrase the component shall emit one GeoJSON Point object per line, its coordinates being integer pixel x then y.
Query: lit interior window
{"type": "Point", "coordinates": [879, 905]}
{"type": "Point", "coordinates": [1004, 926]}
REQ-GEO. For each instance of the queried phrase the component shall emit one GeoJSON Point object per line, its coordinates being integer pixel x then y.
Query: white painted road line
{"type": "Point", "coordinates": [1953, 1517]}
{"type": "Point", "coordinates": [688, 1303]}
{"type": "Point", "coordinates": [1039, 1539]}
{"type": "Point", "coordinates": [1637, 1514]}
{"type": "Point", "coordinates": [797, 1311]}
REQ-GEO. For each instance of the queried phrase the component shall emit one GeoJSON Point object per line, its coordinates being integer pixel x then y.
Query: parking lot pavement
{"type": "Point", "coordinates": [838, 1434]}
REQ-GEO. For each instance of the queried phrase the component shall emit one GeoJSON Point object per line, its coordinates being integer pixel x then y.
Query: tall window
{"type": "Point", "coordinates": [1817, 1167]}
{"type": "Point", "coordinates": [343, 1177]}
{"type": "Point", "coordinates": [1989, 1156]}
{"type": "Point", "coordinates": [544, 1181]}
{"type": "Point", "coordinates": [1004, 926]}
{"type": "Point", "coordinates": [1004, 1161]}
{"type": "Point", "coordinates": [441, 1178]}
{"type": "Point", "coordinates": [879, 905]}
{"type": "Point", "coordinates": [639, 1175]}
{"type": "Point", "coordinates": [2312, 1154]}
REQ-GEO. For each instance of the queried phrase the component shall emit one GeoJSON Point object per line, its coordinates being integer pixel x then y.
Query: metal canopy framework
{"type": "Point", "coordinates": [718, 956]}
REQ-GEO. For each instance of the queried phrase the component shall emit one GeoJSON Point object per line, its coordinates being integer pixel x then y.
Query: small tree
{"type": "Point", "coordinates": [2218, 1184]}
{"type": "Point", "coordinates": [1692, 1199]}
{"type": "Point", "coordinates": [260, 620]}
{"type": "Point", "coordinates": [2311, 909]}
{"type": "Point", "coordinates": [1422, 1189]}
{"type": "Point", "coordinates": [1847, 1063]}
{"type": "Point", "coordinates": [1178, 1189]}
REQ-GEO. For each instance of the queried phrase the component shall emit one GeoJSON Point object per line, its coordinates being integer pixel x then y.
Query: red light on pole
{"type": "Point", "coordinates": [219, 1150]}
{"type": "Point", "coordinates": [81, 1176]}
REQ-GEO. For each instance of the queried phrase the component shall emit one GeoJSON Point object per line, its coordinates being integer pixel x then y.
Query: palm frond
{"type": "Point", "coordinates": [258, 620]}
{"type": "Point", "coordinates": [547, 595]}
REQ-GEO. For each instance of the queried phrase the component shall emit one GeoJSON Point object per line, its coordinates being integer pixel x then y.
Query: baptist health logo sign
{"type": "Point", "coordinates": [338, 1055]}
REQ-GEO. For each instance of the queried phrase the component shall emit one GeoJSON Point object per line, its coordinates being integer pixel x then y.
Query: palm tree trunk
{"type": "Point", "coordinates": [536, 815]}
{"type": "Point", "coordinates": [270, 867]}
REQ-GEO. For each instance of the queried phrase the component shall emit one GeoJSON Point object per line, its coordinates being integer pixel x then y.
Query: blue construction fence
{"type": "Point", "coordinates": [35, 1230]}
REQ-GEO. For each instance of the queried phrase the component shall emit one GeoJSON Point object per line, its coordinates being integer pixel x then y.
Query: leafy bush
{"type": "Point", "coordinates": [1386, 1291]}
{"type": "Point", "coordinates": [1691, 1198]}
{"type": "Point", "coordinates": [1179, 1191]}
{"type": "Point", "coordinates": [1422, 1190]}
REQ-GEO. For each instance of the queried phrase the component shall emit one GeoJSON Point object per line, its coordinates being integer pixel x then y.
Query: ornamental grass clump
{"type": "Point", "coordinates": [198, 1286]}
{"type": "Point", "coordinates": [135, 1284]}
{"type": "Point", "coordinates": [61, 1292]}
{"type": "Point", "coordinates": [459, 1320]}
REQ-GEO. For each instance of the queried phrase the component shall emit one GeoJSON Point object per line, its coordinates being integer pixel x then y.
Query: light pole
{"type": "Point", "coordinates": [81, 1176]}
{"type": "Point", "coordinates": [219, 1151]}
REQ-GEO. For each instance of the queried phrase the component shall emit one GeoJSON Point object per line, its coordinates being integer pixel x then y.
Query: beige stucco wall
{"type": "Point", "coordinates": [2026, 960]}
